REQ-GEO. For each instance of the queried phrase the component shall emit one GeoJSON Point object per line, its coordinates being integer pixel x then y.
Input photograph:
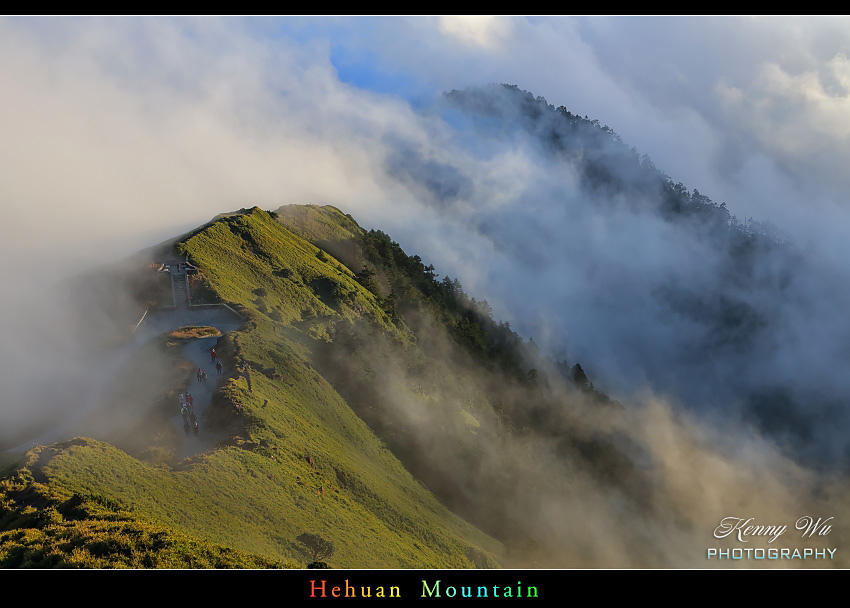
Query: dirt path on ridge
{"type": "Point", "coordinates": [198, 352]}
{"type": "Point", "coordinates": [156, 322]}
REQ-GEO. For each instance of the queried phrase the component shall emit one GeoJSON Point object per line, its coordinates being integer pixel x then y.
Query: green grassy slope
{"type": "Point", "coordinates": [43, 524]}
{"type": "Point", "coordinates": [483, 418]}
{"type": "Point", "coordinates": [315, 223]}
{"type": "Point", "coordinates": [298, 458]}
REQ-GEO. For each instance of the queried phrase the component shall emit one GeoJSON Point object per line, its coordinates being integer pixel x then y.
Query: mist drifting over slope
{"type": "Point", "coordinates": [120, 133]}
{"type": "Point", "coordinates": [650, 285]}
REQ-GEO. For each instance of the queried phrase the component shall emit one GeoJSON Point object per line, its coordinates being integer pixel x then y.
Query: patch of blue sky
{"type": "Point", "coordinates": [354, 51]}
{"type": "Point", "coordinates": [366, 70]}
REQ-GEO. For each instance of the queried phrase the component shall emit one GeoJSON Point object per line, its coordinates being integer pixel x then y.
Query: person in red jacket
{"type": "Point", "coordinates": [212, 355]}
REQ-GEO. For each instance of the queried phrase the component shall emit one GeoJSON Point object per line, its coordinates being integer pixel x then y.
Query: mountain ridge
{"type": "Point", "coordinates": [367, 402]}
{"type": "Point", "coordinates": [324, 470]}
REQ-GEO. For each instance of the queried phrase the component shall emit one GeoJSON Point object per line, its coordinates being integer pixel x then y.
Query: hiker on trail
{"type": "Point", "coordinates": [190, 402]}
{"type": "Point", "coordinates": [200, 374]}
{"type": "Point", "coordinates": [182, 399]}
{"type": "Point", "coordinates": [204, 377]}
{"type": "Point", "coordinates": [194, 420]}
{"type": "Point", "coordinates": [212, 354]}
{"type": "Point", "coordinates": [184, 411]}
{"type": "Point", "coordinates": [218, 367]}
{"type": "Point", "coordinates": [186, 427]}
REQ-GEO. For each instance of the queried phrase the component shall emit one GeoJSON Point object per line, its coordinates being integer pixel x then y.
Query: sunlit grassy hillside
{"type": "Point", "coordinates": [295, 458]}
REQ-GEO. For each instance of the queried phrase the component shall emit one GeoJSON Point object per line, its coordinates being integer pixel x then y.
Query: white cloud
{"type": "Point", "coordinates": [118, 131]}
{"type": "Point", "coordinates": [488, 32]}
